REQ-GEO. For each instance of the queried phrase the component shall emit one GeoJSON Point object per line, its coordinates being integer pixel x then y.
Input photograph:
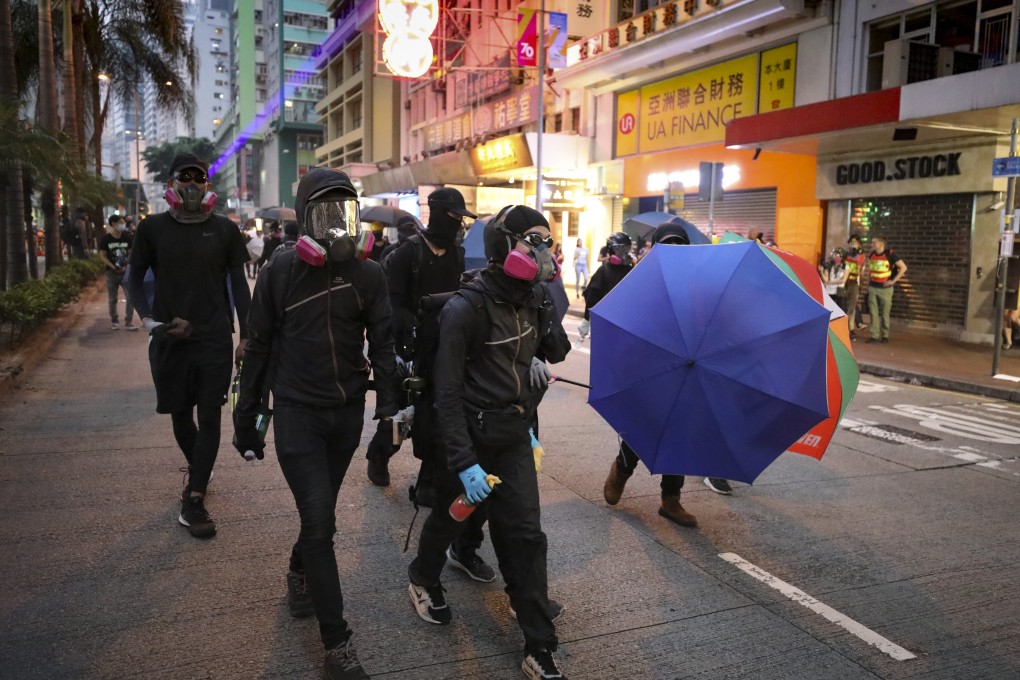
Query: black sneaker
{"type": "Point", "coordinates": [430, 603]}
{"type": "Point", "coordinates": [298, 600]}
{"type": "Point", "coordinates": [196, 518]}
{"type": "Point", "coordinates": [473, 565]}
{"type": "Point", "coordinates": [555, 610]}
{"type": "Point", "coordinates": [719, 485]}
{"type": "Point", "coordinates": [342, 663]}
{"type": "Point", "coordinates": [541, 666]}
{"type": "Point", "coordinates": [378, 471]}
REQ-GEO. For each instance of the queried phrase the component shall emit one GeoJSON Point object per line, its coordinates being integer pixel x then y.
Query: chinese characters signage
{"type": "Point", "coordinates": [776, 78]}
{"type": "Point", "coordinates": [517, 109]}
{"type": "Point", "coordinates": [506, 153]}
{"type": "Point", "coordinates": [695, 107]}
{"type": "Point", "coordinates": [477, 85]}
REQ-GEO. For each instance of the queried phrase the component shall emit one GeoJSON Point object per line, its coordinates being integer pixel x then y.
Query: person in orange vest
{"type": "Point", "coordinates": [885, 268]}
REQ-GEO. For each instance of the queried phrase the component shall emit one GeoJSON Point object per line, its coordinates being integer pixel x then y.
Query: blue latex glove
{"type": "Point", "coordinates": [475, 486]}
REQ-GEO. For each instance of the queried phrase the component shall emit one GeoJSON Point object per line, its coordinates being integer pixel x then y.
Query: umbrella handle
{"type": "Point", "coordinates": [557, 378]}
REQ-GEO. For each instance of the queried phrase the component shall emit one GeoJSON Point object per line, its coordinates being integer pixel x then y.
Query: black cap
{"type": "Point", "coordinates": [449, 199]}
{"type": "Point", "coordinates": [520, 218]}
{"type": "Point", "coordinates": [188, 160]}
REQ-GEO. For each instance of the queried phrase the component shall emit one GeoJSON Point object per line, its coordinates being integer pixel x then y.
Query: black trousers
{"type": "Point", "coordinates": [315, 447]}
{"type": "Point", "coordinates": [515, 526]}
{"type": "Point", "coordinates": [627, 462]}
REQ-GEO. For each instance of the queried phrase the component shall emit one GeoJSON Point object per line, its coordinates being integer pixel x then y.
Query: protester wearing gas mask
{"type": "Point", "coordinates": [312, 309]}
{"type": "Point", "coordinates": [491, 331]}
{"type": "Point", "coordinates": [619, 261]}
{"type": "Point", "coordinates": [192, 253]}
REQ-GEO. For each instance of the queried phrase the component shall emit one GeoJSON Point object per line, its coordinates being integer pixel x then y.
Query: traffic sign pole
{"type": "Point", "coordinates": [1003, 268]}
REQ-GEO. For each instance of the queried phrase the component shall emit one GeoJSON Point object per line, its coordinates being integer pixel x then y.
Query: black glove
{"type": "Point", "coordinates": [381, 447]}
{"type": "Point", "coordinates": [247, 438]}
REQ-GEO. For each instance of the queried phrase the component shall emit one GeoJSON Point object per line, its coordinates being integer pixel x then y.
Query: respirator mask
{"type": "Point", "coordinates": [537, 265]}
{"type": "Point", "coordinates": [620, 255]}
{"type": "Point", "coordinates": [187, 197]}
{"type": "Point", "coordinates": [332, 226]}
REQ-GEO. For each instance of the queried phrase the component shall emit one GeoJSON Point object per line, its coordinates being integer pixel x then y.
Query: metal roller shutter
{"type": "Point", "coordinates": [738, 212]}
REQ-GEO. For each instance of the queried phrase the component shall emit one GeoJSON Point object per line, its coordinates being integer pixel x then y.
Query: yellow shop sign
{"type": "Point", "coordinates": [694, 108]}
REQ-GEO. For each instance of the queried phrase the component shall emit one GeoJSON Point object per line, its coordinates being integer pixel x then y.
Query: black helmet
{"type": "Point", "coordinates": [618, 240]}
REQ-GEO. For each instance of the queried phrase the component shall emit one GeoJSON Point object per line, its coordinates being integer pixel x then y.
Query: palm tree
{"type": "Point", "coordinates": [16, 266]}
{"type": "Point", "coordinates": [46, 111]}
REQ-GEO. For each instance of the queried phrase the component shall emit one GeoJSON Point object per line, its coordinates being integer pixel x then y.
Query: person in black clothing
{"type": "Point", "coordinates": [494, 329]}
{"type": "Point", "coordinates": [192, 253]}
{"type": "Point", "coordinates": [618, 261]}
{"type": "Point", "coordinates": [626, 460]}
{"type": "Point", "coordinates": [114, 249]}
{"type": "Point", "coordinates": [407, 227]}
{"type": "Point", "coordinates": [429, 263]}
{"type": "Point", "coordinates": [311, 311]}
{"type": "Point", "coordinates": [271, 242]}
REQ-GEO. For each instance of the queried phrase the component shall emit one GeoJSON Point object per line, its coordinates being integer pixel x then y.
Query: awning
{"type": "Point", "coordinates": [978, 103]}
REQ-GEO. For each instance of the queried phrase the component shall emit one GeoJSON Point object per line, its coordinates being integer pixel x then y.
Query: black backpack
{"type": "Point", "coordinates": [419, 258]}
{"type": "Point", "coordinates": [68, 234]}
{"type": "Point", "coordinates": [426, 333]}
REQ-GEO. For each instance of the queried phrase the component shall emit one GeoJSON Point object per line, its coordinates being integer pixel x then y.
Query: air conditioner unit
{"type": "Point", "coordinates": [954, 62]}
{"type": "Point", "coordinates": [908, 61]}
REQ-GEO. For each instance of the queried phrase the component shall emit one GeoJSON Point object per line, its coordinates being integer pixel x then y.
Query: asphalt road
{"type": "Point", "coordinates": [893, 557]}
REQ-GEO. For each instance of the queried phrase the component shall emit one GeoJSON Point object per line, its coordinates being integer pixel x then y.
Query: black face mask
{"type": "Point", "coordinates": [443, 229]}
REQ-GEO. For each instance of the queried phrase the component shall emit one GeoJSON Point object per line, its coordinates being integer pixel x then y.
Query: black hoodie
{"type": "Point", "coordinates": [319, 318]}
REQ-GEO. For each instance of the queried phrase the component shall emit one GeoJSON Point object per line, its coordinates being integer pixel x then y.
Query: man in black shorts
{"type": "Point", "coordinates": [193, 254]}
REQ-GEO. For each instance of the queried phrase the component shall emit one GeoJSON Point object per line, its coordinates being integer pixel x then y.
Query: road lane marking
{"type": "Point", "coordinates": [797, 595]}
{"type": "Point", "coordinates": [869, 386]}
{"type": "Point", "coordinates": [958, 424]}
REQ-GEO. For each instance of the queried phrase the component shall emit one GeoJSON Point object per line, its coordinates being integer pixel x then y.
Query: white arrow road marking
{"type": "Point", "coordinates": [868, 386]}
{"type": "Point", "coordinates": [842, 620]}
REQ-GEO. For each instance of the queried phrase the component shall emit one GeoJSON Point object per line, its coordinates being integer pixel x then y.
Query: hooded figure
{"type": "Point", "coordinates": [494, 331]}
{"type": "Point", "coordinates": [312, 311]}
{"type": "Point", "coordinates": [606, 277]}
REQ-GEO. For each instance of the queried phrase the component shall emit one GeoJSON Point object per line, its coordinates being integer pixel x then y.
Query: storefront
{"type": "Point", "coordinates": [935, 204]}
{"type": "Point", "coordinates": [666, 129]}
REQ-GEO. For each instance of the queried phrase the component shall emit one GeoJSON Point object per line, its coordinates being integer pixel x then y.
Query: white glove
{"type": "Point", "coordinates": [584, 328]}
{"type": "Point", "coordinates": [539, 374]}
{"type": "Point", "coordinates": [150, 324]}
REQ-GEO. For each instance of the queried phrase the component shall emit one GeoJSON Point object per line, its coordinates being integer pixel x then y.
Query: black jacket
{"type": "Point", "coordinates": [319, 324]}
{"type": "Point", "coordinates": [602, 281]}
{"type": "Point", "coordinates": [485, 366]}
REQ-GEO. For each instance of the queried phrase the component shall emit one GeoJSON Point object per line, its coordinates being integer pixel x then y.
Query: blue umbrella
{"type": "Point", "coordinates": [474, 245]}
{"type": "Point", "coordinates": [709, 360]}
{"type": "Point", "coordinates": [643, 224]}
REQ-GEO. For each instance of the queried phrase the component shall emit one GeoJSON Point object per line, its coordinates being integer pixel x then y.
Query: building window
{"type": "Point", "coordinates": [947, 38]}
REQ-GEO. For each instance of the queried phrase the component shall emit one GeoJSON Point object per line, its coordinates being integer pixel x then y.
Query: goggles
{"type": "Point", "coordinates": [196, 176]}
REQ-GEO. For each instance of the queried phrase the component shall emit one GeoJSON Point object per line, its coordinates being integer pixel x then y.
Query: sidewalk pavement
{"type": "Point", "coordinates": [931, 361]}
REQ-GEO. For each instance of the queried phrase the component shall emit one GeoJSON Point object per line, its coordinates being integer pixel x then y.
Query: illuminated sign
{"type": "Point", "coordinates": [694, 108]}
{"type": "Point", "coordinates": [506, 153]}
{"type": "Point", "coordinates": [659, 181]}
{"type": "Point", "coordinates": [407, 51]}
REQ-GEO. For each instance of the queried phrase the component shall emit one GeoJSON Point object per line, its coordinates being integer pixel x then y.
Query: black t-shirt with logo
{"type": "Point", "coordinates": [116, 248]}
{"type": "Point", "coordinates": [191, 263]}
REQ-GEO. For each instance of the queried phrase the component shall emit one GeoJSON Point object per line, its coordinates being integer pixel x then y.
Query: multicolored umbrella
{"type": "Point", "coordinates": [842, 373]}
{"type": "Point", "coordinates": [710, 360]}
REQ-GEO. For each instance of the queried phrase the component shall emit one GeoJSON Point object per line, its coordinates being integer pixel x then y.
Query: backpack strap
{"type": "Point", "coordinates": [480, 303]}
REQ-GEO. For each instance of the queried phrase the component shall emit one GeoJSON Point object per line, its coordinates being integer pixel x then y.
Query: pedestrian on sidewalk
{"type": "Point", "coordinates": [854, 266]}
{"type": "Point", "coordinates": [885, 269]}
{"type": "Point", "coordinates": [835, 273]}
{"type": "Point", "coordinates": [193, 253]}
{"type": "Point", "coordinates": [580, 269]}
{"type": "Point", "coordinates": [312, 308]}
{"type": "Point", "coordinates": [492, 331]}
{"type": "Point", "coordinates": [114, 250]}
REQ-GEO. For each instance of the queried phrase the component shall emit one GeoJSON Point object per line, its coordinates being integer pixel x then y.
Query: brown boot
{"type": "Point", "coordinates": [615, 482]}
{"type": "Point", "coordinates": [672, 510]}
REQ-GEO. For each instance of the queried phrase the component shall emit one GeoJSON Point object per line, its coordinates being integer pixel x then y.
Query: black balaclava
{"type": "Point", "coordinates": [444, 228]}
{"type": "Point", "coordinates": [672, 233]}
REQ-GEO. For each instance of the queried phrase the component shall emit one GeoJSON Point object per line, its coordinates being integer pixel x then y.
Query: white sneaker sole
{"type": "Point", "coordinates": [718, 491]}
{"type": "Point", "coordinates": [421, 607]}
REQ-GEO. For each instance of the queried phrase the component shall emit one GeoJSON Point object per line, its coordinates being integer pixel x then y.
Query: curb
{"type": "Point", "coordinates": [1003, 393]}
{"type": "Point", "coordinates": [38, 344]}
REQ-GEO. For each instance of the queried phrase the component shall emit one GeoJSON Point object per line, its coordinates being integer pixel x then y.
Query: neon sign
{"type": "Point", "coordinates": [408, 24]}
